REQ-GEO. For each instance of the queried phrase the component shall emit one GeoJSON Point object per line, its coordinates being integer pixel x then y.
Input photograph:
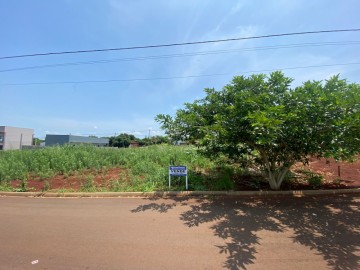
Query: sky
{"type": "Point", "coordinates": [78, 93]}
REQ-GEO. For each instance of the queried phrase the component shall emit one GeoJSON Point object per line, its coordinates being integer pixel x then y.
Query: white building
{"type": "Point", "coordinates": [15, 138]}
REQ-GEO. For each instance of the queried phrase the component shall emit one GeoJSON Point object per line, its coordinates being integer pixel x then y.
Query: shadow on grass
{"type": "Point", "coordinates": [327, 224]}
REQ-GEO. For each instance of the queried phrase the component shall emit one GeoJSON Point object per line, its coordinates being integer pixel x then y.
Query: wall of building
{"type": "Point", "coordinates": [14, 138]}
{"type": "Point", "coordinates": [52, 140]}
{"type": "Point", "coordinates": [89, 140]}
{"type": "Point", "coordinates": [2, 137]}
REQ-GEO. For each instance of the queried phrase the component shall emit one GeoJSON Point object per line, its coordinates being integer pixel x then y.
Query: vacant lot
{"type": "Point", "coordinates": [90, 169]}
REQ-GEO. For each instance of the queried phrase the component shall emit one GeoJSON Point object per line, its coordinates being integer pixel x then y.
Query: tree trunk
{"type": "Point", "coordinates": [275, 175]}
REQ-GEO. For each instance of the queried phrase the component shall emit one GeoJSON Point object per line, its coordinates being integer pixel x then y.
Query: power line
{"type": "Point", "coordinates": [200, 53]}
{"type": "Point", "coordinates": [180, 44]}
{"type": "Point", "coordinates": [175, 77]}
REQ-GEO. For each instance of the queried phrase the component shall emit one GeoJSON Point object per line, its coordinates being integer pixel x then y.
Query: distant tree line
{"type": "Point", "coordinates": [37, 141]}
{"type": "Point", "coordinates": [123, 140]}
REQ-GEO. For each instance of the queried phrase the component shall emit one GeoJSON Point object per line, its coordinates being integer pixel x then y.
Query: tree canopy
{"type": "Point", "coordinates": [123, 140]}
{"type": "Point", "coordinates": [263, 117]}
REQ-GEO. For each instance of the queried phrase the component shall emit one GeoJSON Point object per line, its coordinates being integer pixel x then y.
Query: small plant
{"type": "Point", "coordinates": [61, 191]}
{"type": "Point", "coordinates": [289, 177]}
{"type": "Point", "coordinates": [88, 184]}
{"type": "Point", "coordinates": [337, 181]}
{"type": "Point", "coordinates": [116, 186]}
{"type": "Point", "coordinates": [6, 187]}
{"type": "Point", "coordinates": [174, 160]}
{"type": "Point", "coordinates": [315, 180]}
{"type": "Point", "coordinates": [23, 185]}
{"type": "Point", "coordinates": [224, 182]}
{"type": "Point", "coordinates": [46, 186]}
{"type": "Point", "coordinates": [304, 171]}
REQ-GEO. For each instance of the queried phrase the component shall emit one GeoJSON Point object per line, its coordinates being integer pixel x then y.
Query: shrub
{"type": "Point", "coordinates": [46, 186]}
{"type": "Point", "coordinates": [315, 180]}
{"type": "Point", "coordinates": [88, 184]}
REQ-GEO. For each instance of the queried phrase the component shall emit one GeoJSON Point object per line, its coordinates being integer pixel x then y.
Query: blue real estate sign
{"type": "Point", "coordinates": [178, 171]}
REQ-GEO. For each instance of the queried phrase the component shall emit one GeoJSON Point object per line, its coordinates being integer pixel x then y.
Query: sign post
{"type": "Point", "coordinates": [178, 171]}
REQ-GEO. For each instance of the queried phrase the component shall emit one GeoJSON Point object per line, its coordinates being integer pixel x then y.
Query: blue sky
{"type": "Point", "coordinates": [104, 109]}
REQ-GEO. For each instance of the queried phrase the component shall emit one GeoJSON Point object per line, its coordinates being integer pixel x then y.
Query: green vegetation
{"type": "Point", "coordinates": [145, 169]}
{"type": "Point", "coordinates": [315, 180]}
{"type": "Point", "coordinates": [261, 121]}
{"type": "Point", "coordinates": [88, 184]}
{"type": "Point", "coordinates": [123, 140]}
{"type": "Point", "coordinates": [37, 141]}
{"type": "Point", "coordinates": [46, 185]}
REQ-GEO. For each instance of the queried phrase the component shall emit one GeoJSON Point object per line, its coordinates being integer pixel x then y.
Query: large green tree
{"type": "Point", "coordinates": [121, 140]}
{"type": "Point", "coordinates": [263, 117]}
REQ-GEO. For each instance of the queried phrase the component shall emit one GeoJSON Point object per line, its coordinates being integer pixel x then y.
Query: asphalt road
{"type": "Point", "coordinates": [320, 232]}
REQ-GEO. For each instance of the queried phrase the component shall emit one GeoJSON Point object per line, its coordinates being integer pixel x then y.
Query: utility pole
{"type": "Point", "coordinates": [21, 138]}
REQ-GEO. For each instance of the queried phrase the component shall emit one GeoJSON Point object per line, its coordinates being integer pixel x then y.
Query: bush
{"type": "Point", "coordinates": [88, 184]}
{"type": "Point", "coordinates": [315, 180]}
{"type": "Point", "coordinates": [46, 186]}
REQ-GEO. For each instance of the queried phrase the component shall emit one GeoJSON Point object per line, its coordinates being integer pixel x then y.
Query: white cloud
{"type": "Point", "coordinates": [235, 9]}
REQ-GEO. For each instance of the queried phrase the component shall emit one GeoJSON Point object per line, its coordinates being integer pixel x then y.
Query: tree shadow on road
{"type": "Point", "coordinates": [327, 224]}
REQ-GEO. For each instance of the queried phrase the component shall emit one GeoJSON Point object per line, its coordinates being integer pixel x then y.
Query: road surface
{"type": "Point", "coordinates": [221, 233]}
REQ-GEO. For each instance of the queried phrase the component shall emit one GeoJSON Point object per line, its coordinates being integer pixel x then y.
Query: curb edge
{"type": "Point", "coordinates": [166, 194]}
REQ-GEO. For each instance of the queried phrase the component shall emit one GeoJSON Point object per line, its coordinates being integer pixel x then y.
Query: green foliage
{"type": "Point", "coordinates": [153, 140]}
{"type": "Point", "coordinates": [46, 186]}
{"type": "Point", "coordinates": [122, 140]}
{"type": "Point", "coordinates": [117, 186]}
{"type": "Point", "coordinates": [47, 162]}
{"type": "Point", "coordinates": [6, 187]}
{"type": "Point", "coordinates": [37, 141]}
{"type": "Point", "coordinates": [88, 184]}
{"type": "Point", "coordinates": [24, 185]}
{"type": "Point", "coordinates": [263, 119]}
{"type": "Point", "coordinates": [145, 169]}
{"type": "Point", "coordinates": [315, 180]}
{"type": "Point", "coordinates": [224, 182]}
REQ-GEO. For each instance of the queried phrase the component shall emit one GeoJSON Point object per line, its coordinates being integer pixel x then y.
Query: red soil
{"type": "Point", "coordinates": [74, 182]}
{"type": "Point", "coordinates": [330, 170]}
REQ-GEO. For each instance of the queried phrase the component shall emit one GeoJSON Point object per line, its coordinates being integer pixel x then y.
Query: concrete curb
{"type": "Point", "coordinates": [166, 194]}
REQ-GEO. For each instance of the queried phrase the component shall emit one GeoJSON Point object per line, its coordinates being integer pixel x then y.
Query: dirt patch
{"type": "Point", "coordinates": [327, 168]}
{"type": "Point", "coordinates": [344, 172]}
{"type": "Point", "coordinates": [75, 182]}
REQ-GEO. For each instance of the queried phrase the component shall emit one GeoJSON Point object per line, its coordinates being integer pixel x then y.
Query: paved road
{"type": "Point", "coordinates": [132, 233]}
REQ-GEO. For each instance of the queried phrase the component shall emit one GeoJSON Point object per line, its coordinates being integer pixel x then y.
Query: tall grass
{"type": "Point", "coordinates": [147, 167]}
{"type": "Point", "coordinates": [50, 161]}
